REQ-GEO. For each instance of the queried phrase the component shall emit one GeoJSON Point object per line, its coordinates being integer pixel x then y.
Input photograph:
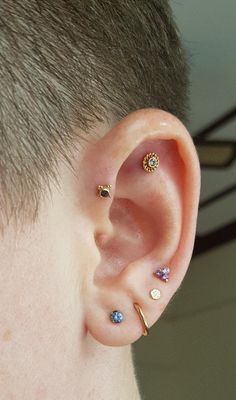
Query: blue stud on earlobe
{"type": "Point", "coordinates": [116, 317]}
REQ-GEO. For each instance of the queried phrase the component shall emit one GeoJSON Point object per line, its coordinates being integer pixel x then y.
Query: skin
{"type": "Point", "coordinates": [86, 256]}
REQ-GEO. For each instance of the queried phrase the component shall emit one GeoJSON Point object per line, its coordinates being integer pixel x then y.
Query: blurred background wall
{"type": "Point", "coordinates": [190, 353]}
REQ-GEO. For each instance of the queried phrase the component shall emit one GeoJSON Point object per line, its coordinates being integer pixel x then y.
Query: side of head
{"type": "Point", "coordinates": [77, 64]}
{"type": "Point", "coordinates": [88, 89]}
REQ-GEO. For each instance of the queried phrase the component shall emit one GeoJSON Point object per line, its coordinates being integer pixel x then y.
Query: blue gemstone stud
{"type": "Point", "coordinates": [116, 317]}
{"type": "Point", "coordinates": [163, 274]}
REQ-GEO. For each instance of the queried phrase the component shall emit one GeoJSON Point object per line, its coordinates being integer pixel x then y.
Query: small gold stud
{"type": "Point", "coordinates": [104, 190]}
{"type": "Point", "coordinates": [151, 162]}
{"type": "Point", "coordinates": [155, 294]}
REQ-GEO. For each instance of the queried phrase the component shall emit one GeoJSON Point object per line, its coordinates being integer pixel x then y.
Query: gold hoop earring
{"type": "Point", "coordinates": [142, 319]}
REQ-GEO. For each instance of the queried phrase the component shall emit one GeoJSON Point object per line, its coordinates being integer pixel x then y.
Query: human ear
{"type": "Point", "coordinates": [148, 221]}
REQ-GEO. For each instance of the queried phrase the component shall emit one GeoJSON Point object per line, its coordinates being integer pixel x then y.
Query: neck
{"type": "Point", "coordinates": [45, 351]}
{"type": "Point", "coordinates": [109, 372]}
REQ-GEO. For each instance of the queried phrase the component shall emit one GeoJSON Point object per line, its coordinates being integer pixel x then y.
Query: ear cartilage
{"type": "Point", "coordinates": [104, 190]}
{"type": "Point", "coordinates": [163, 274]}
{"type": "Point", "coordinates": [151, 162]}
{"type": "Point", "coordinates": [155, 294]}
{"type": "Point", "coordinates": [116, 317]}
{"type": "Point", "coordinates": [142, 319]}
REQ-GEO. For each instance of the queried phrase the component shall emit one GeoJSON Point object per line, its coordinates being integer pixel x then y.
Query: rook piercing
{"type": "Point", "coordinates": [116, 317]}
{"type": "Point", "coordinates": [104, 190]}
{"type": "Point", "coordinates": [163, 274]}
{"type": "Point", "coordinates": [142, 319]}
{"type": "Point", "coordinates": [151, 162]}
{"type": "Point", "coordinates": [155, 294]}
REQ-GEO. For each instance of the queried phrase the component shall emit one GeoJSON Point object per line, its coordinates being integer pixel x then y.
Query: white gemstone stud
{"type": "Point", "coordinates": [155, 294]}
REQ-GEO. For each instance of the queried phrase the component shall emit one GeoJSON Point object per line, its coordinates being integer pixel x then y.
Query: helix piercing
{"type": "Point", "coordinates": [104, 190]}
{"type": "Point", "coordinates": [142, 319]}
{"type": "Point", "coordinates": [163, 274]}
{"type": "Point", "coordinates": [151, 162]}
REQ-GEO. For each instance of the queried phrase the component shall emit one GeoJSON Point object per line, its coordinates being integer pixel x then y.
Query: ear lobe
{"type": "Point", "coordinates": [152, 219]}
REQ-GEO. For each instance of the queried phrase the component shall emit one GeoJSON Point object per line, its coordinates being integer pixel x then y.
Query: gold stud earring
{"type": "Point", "coordinates": [151, 162]}
{"type": "Point", "coordinates": [104, 190]}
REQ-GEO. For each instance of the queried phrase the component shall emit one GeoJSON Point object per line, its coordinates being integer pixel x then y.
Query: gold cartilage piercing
{"type": "Point", "coordinates": [104, 190]}
{"type": "Point", "coordinates": [142, 319]}
{"type": "Point", "coordinates": [151, 162]}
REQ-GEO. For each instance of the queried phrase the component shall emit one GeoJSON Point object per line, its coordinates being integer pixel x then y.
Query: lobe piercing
{"type": "Point", "coordinates": [151, 162]}
{"type": "Point", "coordinates": [104, 190]}
{"type": "Point", "coordinates": [155, 294]}
{"type": "Point", "coordinates": [116, 317]}
{"type": "Point", "coordinates": [142, 319]}
{"type": "Point", "coordinates": [163, 274]}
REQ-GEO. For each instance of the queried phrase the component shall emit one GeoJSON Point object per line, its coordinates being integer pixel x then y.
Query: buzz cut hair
{"type": "Point", "coordinates": [77, 63]}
